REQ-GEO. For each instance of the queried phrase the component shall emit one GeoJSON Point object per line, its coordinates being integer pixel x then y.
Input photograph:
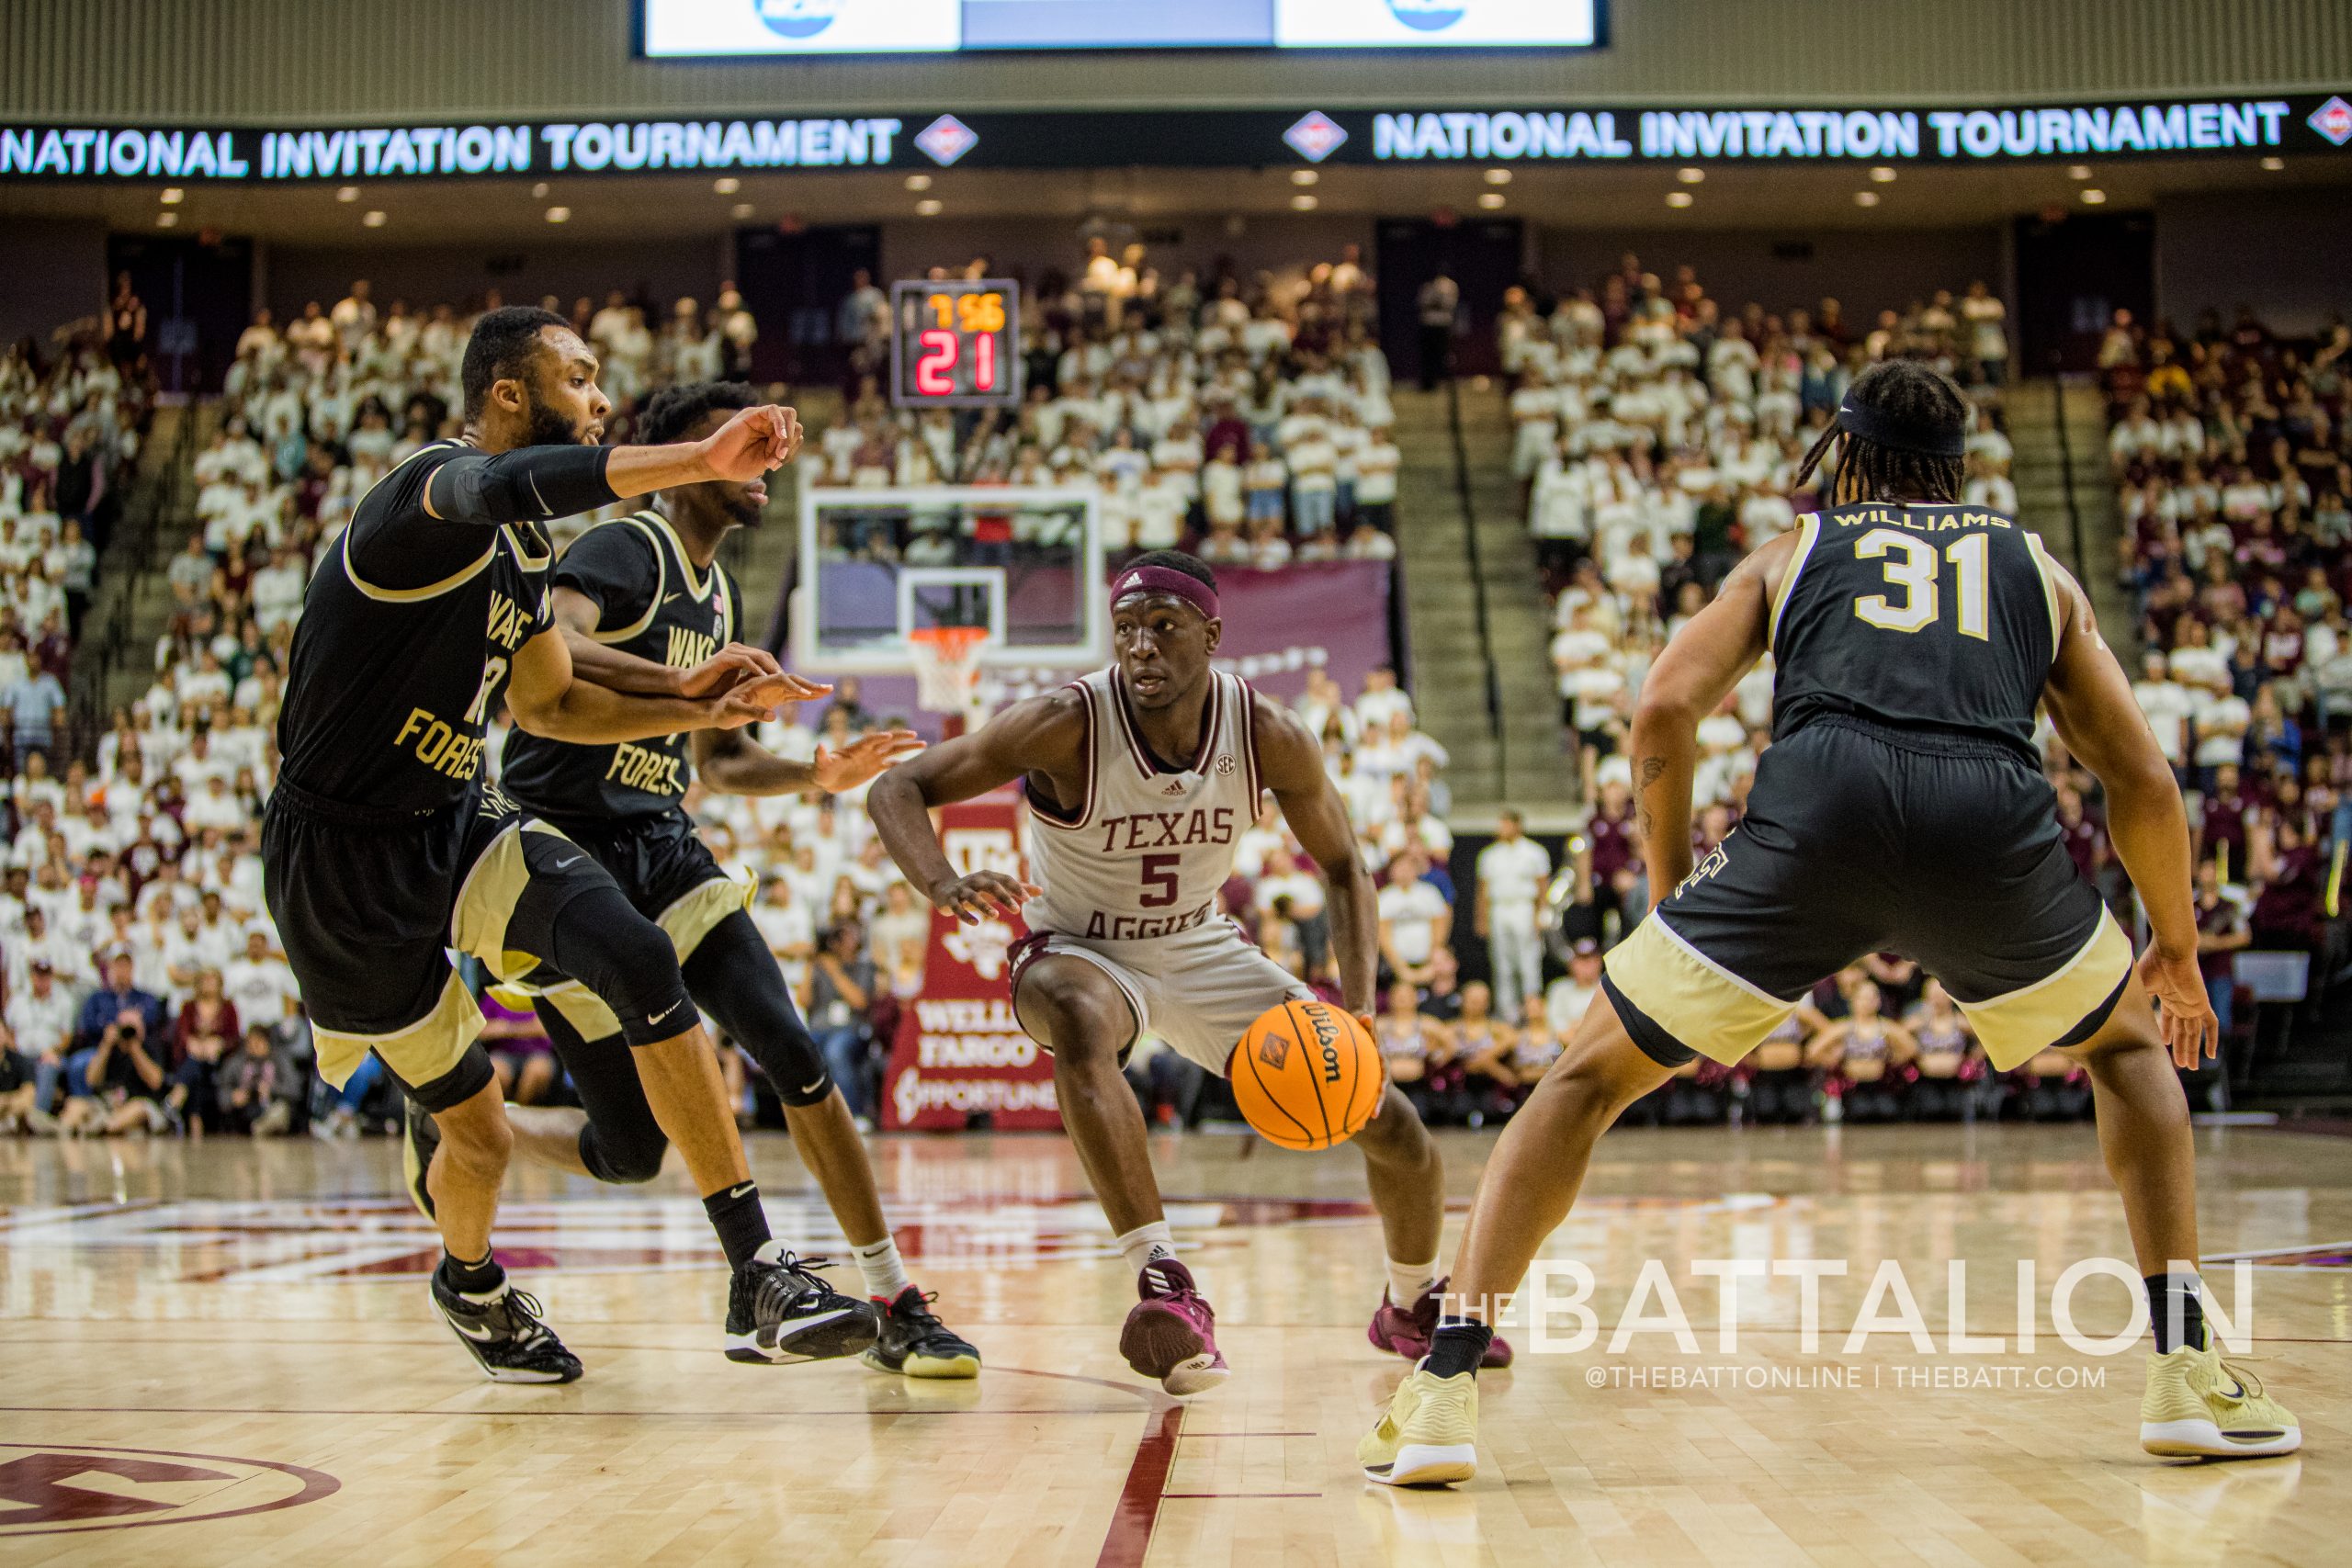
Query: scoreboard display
{"type": "Point", "coordinates": [956, 344]}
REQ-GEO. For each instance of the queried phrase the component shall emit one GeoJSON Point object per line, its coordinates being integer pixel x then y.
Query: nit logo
{"type": "Point", "coordinates": [54, 1488]}
{"type": "Point", "coordinates": [802, 18]}
{"type": "Point", "coordinates": [946, 139]}
{"type": "Point", "coordinates": [2333, 119]}
{"type": "Point", "coordinates": [1316, 137]}
{"type": "Point", "coordinates": [1428, 16]}
{"type": "Point", "coordinates": [1274, 1050]}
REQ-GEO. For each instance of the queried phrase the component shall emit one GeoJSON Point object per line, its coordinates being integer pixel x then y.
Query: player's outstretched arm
{"type": "Point", "coordinates": [731, 762]}
{"type": "Point", "coordinates": [1291, 763]}
{"type": "Point", "coordinates": [548, 699]}
{"type": "Point", "coordinates": [1043, 735]}
{"type": "Point", "coordinates": [2090, 703]}
{"type": "Point", "coordinates": [1690, 679]}
{"type": "Point", "coordinates": [536, 483]}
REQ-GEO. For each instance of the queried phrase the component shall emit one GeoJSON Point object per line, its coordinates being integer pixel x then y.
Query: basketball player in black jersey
{"type": "Point", "coordinates": [1900, 808]}
{"type": "Point", "coordinates": [382, 847]}
{"type": "Point", "coordinates": [642, 603]}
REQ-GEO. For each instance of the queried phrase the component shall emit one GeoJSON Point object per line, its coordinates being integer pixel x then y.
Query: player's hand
{"type": "Point", "coordinates": [752, 442]}
{"type": "Point", "coordinates": [725, 670]}
{"type": "Point", "coordinates": [862, 759]}
{"type": "Point", "coordinates": [2184, 1009]}
{"type": "Point", "coordinates": [984, 893]}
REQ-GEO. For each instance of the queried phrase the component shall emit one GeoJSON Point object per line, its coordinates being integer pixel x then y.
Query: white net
{"type": "Point", "coordinates": [947, 667]}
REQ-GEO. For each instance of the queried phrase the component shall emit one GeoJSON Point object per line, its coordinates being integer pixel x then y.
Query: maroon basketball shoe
{"type": "Point", "coordinates": [1407, 1334]}
{"type": "Point", "coordinates": [1171, 1334]}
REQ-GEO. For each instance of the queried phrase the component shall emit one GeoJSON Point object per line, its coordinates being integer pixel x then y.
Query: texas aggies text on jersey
{"type": "Point", "coordinates": [1144, 853]}
{"type": "Point", "coordinates": [1913, 614]}
{"type": "Point", "coordinates": [652, 602]}
{"type": "Point", "coordinates": [409, 628]}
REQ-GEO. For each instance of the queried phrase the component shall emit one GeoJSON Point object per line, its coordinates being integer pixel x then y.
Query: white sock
{"type": "Point", "coordinates": [1147, 1244]}
{"type": "Point", "coordinates": [1406, 1281]}
{"type": "Point", "coordinates": [884, 1270]}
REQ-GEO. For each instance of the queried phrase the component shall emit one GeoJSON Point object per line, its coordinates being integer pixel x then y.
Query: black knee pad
{"type": "Point", "coordinates": [734, 976]}
{"type": "Point", "coordinates": [622, 1143]}
{"type": "Point", "coordinates": [603, 942]}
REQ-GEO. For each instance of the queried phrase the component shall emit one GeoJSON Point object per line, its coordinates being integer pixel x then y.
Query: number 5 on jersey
{"type": "Point", "coordinates": [1912, 566]}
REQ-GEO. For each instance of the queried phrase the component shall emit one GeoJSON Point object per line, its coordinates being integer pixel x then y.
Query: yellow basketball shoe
{"type": "Point", "coordinates": [2199, 1406]}
{"type": "Point", "coordinates": [1430, 1436]}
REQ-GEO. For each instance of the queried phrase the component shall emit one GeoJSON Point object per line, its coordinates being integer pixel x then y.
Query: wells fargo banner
{"type": "Point", "coordinates": [959, 1049]}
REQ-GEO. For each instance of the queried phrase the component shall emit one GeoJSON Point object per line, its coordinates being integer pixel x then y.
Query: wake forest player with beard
{"type": "Point", "coordinates": [1132, 849]}
{"type": "Point", "coordinates": [1900, 808]}
{"type": "Point", "coordinates": [642, 603]}
{"type": "Point", "coordinates": [382, 846]}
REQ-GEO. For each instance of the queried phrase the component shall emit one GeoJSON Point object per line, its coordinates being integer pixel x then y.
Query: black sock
{"type": "Point", "coordinates": [2174, 1297]}
{"type": "Point", "coordinates": [742, 1225]}
{"type": "Point", "coordinates": [1458, 1345]}
{"type": "Point", "coordinates": [479, 1279]}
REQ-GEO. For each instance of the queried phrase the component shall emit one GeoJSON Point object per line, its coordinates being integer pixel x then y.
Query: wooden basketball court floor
{"type": "Point", "coordinates": [223, 1353]}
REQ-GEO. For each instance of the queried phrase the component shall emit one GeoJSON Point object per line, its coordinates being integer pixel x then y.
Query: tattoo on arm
{"type": "Point", "coordinates": [1652, 768]}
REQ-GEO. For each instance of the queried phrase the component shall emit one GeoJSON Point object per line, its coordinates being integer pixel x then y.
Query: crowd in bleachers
{"type": "Point", "coordinates": [1247, 419]}
{"type": "Point", "coordinates": [2234, 478]}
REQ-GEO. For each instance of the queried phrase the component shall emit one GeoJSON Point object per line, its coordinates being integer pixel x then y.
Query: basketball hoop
{"type": "Point", "coordinates": [947, 669]}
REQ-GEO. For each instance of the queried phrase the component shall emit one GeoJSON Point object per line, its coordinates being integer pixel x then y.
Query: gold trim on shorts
{"type": "Point", "coordinates": [1695, 999]}
{"type": "Point", "coordinates": [2015, 1026]}
{"type": "Point", "coordinates": [426, 1050]}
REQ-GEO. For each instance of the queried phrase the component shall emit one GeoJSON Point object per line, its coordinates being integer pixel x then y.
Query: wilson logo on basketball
{"type": "Point", "coordinates": [1327, 1036]}
{"type": "Point", "coordinates": [1275, 1051]}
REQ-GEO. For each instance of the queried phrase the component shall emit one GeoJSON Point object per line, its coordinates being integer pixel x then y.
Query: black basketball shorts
{"type": "Point", "coordinates": [1860, 838]}
{"type": "Point", "coordinates": [368, 905]}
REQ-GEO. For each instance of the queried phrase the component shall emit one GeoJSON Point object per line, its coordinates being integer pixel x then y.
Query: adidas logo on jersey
{"type": "Point", "coordinates": [1173, 786]}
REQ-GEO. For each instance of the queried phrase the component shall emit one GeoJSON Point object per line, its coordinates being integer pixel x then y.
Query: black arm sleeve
{"type": "Point", "coordinates": [530, 483]}
{"type": "Point", "coordinates": [396, 544]}
{"type": "Point", "coordinates": [615, 565]}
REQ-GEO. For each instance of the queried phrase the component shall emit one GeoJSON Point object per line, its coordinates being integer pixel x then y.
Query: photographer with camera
{"type": "Point", "coordinates": [115, 1078]}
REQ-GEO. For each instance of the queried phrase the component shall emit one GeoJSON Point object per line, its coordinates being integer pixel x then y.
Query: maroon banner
{"type": "Point", "coordinates": [959, 1049]}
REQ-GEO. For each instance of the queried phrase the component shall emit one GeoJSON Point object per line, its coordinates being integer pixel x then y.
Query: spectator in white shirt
{"type": "Point", "coordinates": [1416, 922]}
{"type": "Point", "coordinates": [1512, 872]}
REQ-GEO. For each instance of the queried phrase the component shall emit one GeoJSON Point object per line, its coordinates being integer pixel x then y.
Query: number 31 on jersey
{"type": "Point", "coordinates": [1914, 566]}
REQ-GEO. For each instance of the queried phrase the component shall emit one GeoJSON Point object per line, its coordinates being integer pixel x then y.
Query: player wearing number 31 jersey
{"type": "Point", "coordinates": [1900, 807]}
{"type": "Point", "coordinates": [1141, 778]}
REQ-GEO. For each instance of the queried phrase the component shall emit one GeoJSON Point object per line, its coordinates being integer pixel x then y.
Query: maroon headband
{"type": "Point", "coordinates": [1169, 581]}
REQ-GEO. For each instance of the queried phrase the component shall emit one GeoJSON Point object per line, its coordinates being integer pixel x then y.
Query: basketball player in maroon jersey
{"type": "Point", "coordinates": [1131, 849]}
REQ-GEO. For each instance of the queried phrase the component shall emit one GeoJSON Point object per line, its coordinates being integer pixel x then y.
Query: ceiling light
{"type": "Point", "coordinates": [742, 209]}
{"type": "Point", "coordinates": [348, 193]}
{"type": "Point", "coordinates": [373, 218]}
{"type": "Point", "coordinates": [726, 185]}
{"type": "Point", "coordinates": [2093, 195]}
{"type": "Point", "coordinates": [1498, 176]}
{"type": "Point", "coordinates": [1490, 200]}
{"type": "Point", "coordinates": [1302, 202]}
{"type": "Point", "coordinates": [929, 207]}
{"type": "Point", "coordinates": [1304, 176]}
{"type": "Point", "coordinates": [1866, 198]}
{"type": "Point", "coordinates": [173, 195]}
{"type": "Point", "coordinates": [1883, 173]}
{"type": "Point", "coordinates": [2274, 164]}
{"type": "Point", "coordinates": [168, 221]}
{"type": "Point", "coordinates": [539, 191]}
{"type": "Point", "coordinates": [559, 215]}
{"type": "Point", "coordinates": [1691, 177]}
{"type": "Point", "coordinates": [1680, 198]}
{"type": "Point", "coordinates": [918, 182]}
{"type": "Point", "coordinates": [2078, 171]}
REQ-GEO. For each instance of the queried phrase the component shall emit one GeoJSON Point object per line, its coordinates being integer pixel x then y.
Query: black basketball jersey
{"type": "Point", "coordinates": [652, 602]}
{"type": "Point", "coordinates": [408, 626]}
{"type": "Point", "coordinates": [1942, 617]}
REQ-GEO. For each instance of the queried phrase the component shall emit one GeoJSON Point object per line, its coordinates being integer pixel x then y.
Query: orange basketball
{"type": "Point", "coordinates": [1306, 1075]}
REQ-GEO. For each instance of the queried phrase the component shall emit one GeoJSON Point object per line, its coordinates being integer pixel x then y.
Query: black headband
{"type": "Point", "coordinates": [1934, 438]}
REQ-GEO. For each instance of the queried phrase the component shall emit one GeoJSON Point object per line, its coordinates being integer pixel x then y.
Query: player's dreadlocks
{"type": "Point", "coordinates": [1905, 427]}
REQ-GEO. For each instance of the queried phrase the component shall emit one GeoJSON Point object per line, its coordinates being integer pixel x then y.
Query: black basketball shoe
{"type": "Point", "coordinates": [780, 1309]}
{"type": "Point", "coordinates": [503, 1331]}
{"type": "Point", "coordinates": [915, 1343]}
{"type": "Point", "coordinates": [420, 1136]}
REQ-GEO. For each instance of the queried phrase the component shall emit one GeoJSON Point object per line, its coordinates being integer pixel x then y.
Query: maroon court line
{"type": "Point", "coordinates": [1188, 1435]}
{"type": "Point", "coordinates": [1138, 1507]}
{"type": "Point", "coordinates": [1230, 1496]}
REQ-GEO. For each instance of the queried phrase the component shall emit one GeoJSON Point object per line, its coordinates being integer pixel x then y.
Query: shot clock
{"type": "Point", "coordinates": [956, 344]}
